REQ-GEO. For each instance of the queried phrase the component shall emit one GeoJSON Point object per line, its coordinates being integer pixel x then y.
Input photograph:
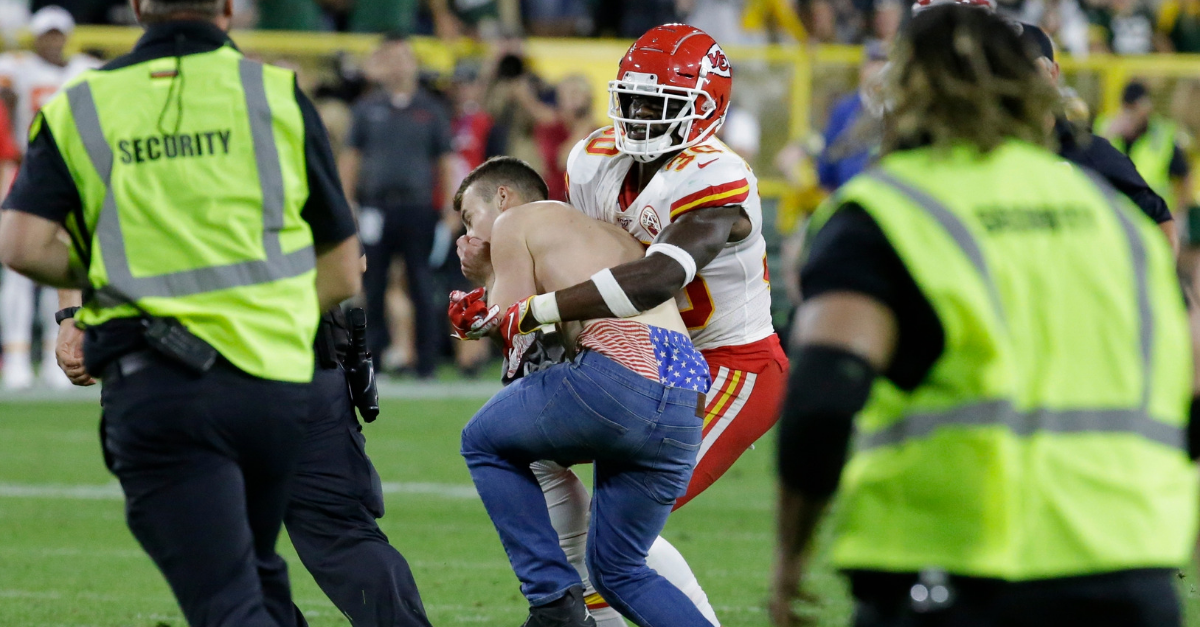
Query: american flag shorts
{"type": "Point", "coordinates": [658, 354]}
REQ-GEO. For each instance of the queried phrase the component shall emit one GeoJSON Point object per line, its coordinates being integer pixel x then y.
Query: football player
{"type": "Point", "coordinates": [27, 81]}
{"type": "Point", "coordinates": [660, 173]}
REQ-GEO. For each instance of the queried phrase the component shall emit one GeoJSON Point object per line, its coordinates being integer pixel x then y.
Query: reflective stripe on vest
{"type": "Point", "coordinates": [199, 280]}
{"type": "Point", "coordinates": [1002, 412]}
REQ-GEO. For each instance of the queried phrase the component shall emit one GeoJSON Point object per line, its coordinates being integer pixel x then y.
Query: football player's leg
{"type": "Point", "coordinates": [666, 560]}
{"type": "Point", "coordinates": [16, 310]}
{"type": "Point", "coordinates": [569, 504]}
{"type": "Point", "coordinates": [742, 405]}
{"type": "Point", "coordinates": [52, 375]}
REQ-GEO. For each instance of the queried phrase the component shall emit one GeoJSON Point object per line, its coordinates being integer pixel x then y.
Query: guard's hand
{"type": "Point", "coordinates": [68, 350]}
{"type": "Point", "coordinates": [476, 257]}
{"type": "Point", "coordinates": [785, 593]}
{"type": "Point", "coordinates": [470, 316]}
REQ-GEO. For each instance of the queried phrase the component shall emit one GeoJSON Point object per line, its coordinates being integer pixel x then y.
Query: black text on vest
{"type": "Point", "coordinates": [155, 147]}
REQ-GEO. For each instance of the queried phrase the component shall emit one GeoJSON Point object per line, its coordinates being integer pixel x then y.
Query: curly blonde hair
{"type": "Point", "coordinates": [961, 74]}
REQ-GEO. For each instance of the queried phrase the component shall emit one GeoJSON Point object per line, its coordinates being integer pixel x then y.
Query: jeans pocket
{"type": "Point", "coordinates": [675, 462]}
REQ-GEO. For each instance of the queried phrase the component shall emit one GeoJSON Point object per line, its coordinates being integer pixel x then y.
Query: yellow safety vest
{"type": "Point", "coordinates": [1048, 438]}
{"type": "Point", "coordinates": [201, 223]}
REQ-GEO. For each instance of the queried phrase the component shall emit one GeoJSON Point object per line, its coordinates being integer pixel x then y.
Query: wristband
{"type": "Point", "coordinates": [65, 314]}
{"type": "Point", "coordinates": [678, 254]}
{"type": "Point", "coordinates": [615, 297]}
{"type": "Point", "coordinates": [544, 308]}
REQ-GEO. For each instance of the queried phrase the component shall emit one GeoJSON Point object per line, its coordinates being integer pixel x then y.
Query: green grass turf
{"type": "Point", "coordinates": [72, 562]}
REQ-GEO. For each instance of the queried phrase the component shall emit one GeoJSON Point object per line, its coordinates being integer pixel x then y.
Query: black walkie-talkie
{"type": "Point", "coordinates": [360, 371]}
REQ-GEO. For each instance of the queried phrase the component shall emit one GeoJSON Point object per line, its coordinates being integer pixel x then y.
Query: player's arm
{"type": "Point", "coordinates": [688, 244]}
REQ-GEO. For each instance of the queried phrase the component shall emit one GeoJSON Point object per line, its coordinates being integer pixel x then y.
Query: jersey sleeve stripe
{"type": "Point", "coordinates": [716, 196]}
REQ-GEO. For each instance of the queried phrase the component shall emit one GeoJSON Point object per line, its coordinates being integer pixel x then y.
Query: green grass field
{"type": "Point", "coordinates": [67, 559]}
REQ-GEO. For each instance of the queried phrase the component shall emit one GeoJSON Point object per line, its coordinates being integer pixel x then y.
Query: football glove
{"type": "Point", "coordinates": [470, 316]}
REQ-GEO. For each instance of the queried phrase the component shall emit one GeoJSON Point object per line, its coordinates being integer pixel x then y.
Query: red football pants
{"type": "Point", "coordinates": [749, 383]}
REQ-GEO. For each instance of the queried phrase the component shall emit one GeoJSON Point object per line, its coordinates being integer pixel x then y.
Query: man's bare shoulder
{"type": "Point", "coordinates": [541, 214]}
{"type": "Point", "coordinates": [551, 224]}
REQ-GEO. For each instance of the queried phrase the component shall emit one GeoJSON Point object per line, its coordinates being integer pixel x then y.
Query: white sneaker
{"type": "Point", "coordinates": [17, 373]}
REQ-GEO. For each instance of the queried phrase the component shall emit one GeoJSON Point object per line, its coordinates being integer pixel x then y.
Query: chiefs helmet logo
{"type": "Point", "coordinates": [715, 62]}
{"type": "Point", "coordinates": [624, 222]}
{"type": "Point", "coordinates": [649, 221]}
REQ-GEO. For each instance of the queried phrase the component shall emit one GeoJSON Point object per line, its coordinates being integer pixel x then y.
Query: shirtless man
{"type": "Point", "coordinates": [630, 398]}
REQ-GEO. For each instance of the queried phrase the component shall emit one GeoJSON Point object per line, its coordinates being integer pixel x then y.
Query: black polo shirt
{"type": "Point", "coordinates": [401, 142]}
{"type": "Point", "coordinates": [44, 186]}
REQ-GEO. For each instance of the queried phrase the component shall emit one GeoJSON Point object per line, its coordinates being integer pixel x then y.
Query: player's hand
{"type": "Point", "coordinates": [516, 329]}
{"type": "Point", "coordinates": [470, 316]}
{"type": "Point", "coordinates": [68, 350]}
{"type": "Point", "coordinates": [476, 257]}
{"type": "Point", "coordinates": [786, 593]}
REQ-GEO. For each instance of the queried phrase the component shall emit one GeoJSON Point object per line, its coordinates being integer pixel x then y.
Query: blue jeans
{"type": "Point", "coordinates": [643, 437]}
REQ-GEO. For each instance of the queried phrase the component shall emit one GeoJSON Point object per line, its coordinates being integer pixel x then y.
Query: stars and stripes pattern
{"type": "Point", "coordinates": [658, 354]}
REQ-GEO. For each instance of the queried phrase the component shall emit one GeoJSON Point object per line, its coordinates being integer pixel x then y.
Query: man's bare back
{"type": "Point", "coordinates": [546, 246]}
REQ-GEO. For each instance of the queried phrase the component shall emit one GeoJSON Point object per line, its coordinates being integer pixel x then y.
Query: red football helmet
{"type": "Point", "coordinates": [684, 67]}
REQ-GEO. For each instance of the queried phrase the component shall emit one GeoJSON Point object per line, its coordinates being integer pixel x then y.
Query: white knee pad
{"type": "Point", "coordinates": [667, 561]}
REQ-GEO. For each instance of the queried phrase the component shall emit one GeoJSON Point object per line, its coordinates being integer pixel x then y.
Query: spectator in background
{"type": "Point", "coordinates": [886, 20]}
{"type": "Point", "coordinates": [639, 16]}
{"type": "Point", "coordinates": [1063, 20]}
{"type": "Point", "coordinates": [398, 151]}
{"type": "Point", "coordinates": [556, 18]}
{"type": "Point", "coordinates": [558, 127]}
{"type": "Point", "coordinates": [359, 16]}
{"type": "Point", "coordinates": [1151, 141]}
{"type": "Point", "coordinates": [513, 134]}
{"type": "Point", "coordinates": [1178, 26]}
{"type": "Point", "coordinates": [848, 149]}
{"type": "Point", "coordinates": [1122, 27]}
{"type": "Point", "coordinates": [472, 126]}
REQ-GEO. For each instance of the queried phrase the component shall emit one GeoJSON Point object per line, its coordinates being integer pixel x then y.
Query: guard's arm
{"type": "Point", "coordinates": [31, 245]}
{"type": "Point", "coordinates": [692, 242]}
{"type": "Point", "coordinates": [339, 272]}
{"type": "Point", "coordinates": [843, 340]}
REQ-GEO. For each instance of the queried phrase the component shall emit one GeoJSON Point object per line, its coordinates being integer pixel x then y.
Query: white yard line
{"type": "Point", "coordinates": [405, 391]}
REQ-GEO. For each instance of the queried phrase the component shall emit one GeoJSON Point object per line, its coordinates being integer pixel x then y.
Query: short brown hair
{"type": "Point", "coordinates": [510, 172]}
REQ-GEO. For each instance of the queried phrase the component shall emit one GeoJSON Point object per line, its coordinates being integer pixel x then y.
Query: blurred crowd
{"type": "Point", "coordinates": [1078, 27]}
{"type": "Point", "coordinates": [407, 134]}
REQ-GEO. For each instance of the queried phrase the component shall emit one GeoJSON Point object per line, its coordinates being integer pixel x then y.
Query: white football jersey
{"type": "Point", "coordinates": [729, 303]}
{"type": "Point", "coordinates": [35, 80]}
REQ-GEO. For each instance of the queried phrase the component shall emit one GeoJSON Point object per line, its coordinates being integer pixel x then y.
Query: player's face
{"type": "Point", "coordinates": [479, 214]}
{"type": "Point", "coordinates": [50, 45]}
{"type": "Point", "coordinates": [649, 107]}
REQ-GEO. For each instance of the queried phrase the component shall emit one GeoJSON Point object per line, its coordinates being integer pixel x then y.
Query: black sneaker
{"type": "Point", "coordinates": [569, 611]}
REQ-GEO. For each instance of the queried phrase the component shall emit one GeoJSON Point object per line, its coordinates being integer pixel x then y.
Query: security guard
{"type": "Point", "coordinates": [1150, 141]}
{"type": "Point", "coordinates": [208, 239]}
{"type": "Point", "coordinates": [1016, 333]}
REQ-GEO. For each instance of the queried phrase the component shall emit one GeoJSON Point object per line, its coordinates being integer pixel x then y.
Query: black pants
{"type": "Point", "coordinates": [407, 231]}
{"type": "Point", "coordinates": [336, 497]}
{"type": "Point", "coordinates": [204, 463]}
{"type": "Point", "coordinates": [1132, 598]}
